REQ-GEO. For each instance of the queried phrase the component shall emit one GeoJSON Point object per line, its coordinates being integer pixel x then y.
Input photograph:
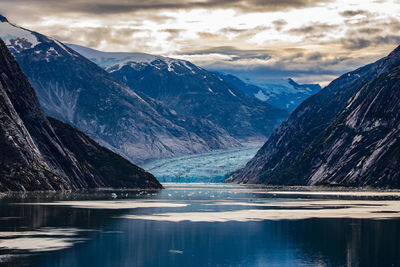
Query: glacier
{"type": "Point", "coordinates": [209, 167]}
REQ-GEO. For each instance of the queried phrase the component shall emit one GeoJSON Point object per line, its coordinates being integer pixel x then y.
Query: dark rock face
{"type": "Point", "coordinates": [34, 157]}
{"type": "Point", "coordinates": [285, 96]}
{"type": "Point", "coordinates": [76, 91]}
{"type": "Point", "coordinates": [97, 161]}
{"type": "Point", "coordinates": [348, 134]}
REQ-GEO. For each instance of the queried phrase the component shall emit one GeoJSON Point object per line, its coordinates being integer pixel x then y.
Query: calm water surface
{"type": "Point", "coordinates": [201, 225]}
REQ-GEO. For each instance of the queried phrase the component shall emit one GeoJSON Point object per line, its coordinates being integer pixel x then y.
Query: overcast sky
{"type": "Point", "coordinates": [311, 40]}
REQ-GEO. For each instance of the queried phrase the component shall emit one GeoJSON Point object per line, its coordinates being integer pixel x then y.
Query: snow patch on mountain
{"type": "Point", "coordinates": [231, 92]}
{"type": "Point", "coordinates": [62, 47]}
{"type": "Point", "coordinates": [50, 53]}
{"type": "Point", "coordinates": [188, 67]}
{"type": "Point", "coordinates": [287, 94]}
{"type": "Point", "coordinates": [17, 37]}
{"type": "Point", "coordinates": [260, 95]}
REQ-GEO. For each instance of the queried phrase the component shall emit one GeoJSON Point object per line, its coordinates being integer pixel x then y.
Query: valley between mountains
{"type": "Point", "coordinates": [168, 114]}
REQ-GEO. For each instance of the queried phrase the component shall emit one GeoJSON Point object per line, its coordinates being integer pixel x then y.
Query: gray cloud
{"type": "Point", "coordinates": [352, 13]}
{"type": "Point", "coordinates": [279, 24]}
{"type": "Point", "coordinates": [245, 31]}
{"type": "Point", "coordinates": [173, 33]}
{"type": "Point", "coordinates": [316, 56]}
{"type": "Point", "coordinates": [369, 31]}
{"type": "Point", "coordinates": [357, 43]}
{"type": "Point", "coordinates": [314, 29]}
{"type": "Point", "coordinates": [225, 50]}
{"type": "Point", "coordinates": [236, 54]}
{"type": "Point", "coordinates": [94, 37]}
{"type": "Point", "coordinates": [309, 67]}
{"type": "Point", "coordinates": [125, 6]}
{"type": "Point", "coordinates": [269, 57]}
{"type": "Point", "coordinates": [243, 34]}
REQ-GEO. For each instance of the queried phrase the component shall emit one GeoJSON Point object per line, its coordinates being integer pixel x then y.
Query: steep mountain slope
{"type": "Point", "coordinates": [286, 95]}
{"type": "Point", "coordinates": [192, 91]}
{"type": "Point", "coordinates": [34, 157]}
{"type": "Point", "coordinates": [95, 160]}
{"type": "Point", "coordinates": [77, 91]}
{"type": "Point", "coordinates": [347, 134]}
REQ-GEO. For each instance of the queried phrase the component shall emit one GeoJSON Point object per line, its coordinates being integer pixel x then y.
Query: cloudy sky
{"type": "Point", "coordinates": [310, 40]}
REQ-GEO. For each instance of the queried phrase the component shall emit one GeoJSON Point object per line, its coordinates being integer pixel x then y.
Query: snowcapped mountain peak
{"type": "Point", "coordinates": [19, 40]}
{"type": "Point", "coordinates": [15, 37]}
{"type": "Point", "coordinates": [109, 59]}
{"type": "Point", "coordinates": [136, 60]}
{"type": "Point", "coordinates": [158, 62]}
{"type": "Point", "coordinates": [287, 94]}
{"type": "Point", "coordinates": [114, 61]}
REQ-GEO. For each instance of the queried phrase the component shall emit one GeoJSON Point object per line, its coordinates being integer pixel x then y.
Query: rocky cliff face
{"type": "Point", "coordinates": [76, 91]}
{"type": "Point", "coordinates": [192, 91]}
{"type": "Point", "coordinates": [34, 157]}
{"type": "Point", "coordinates": [348, 134]}
{"type": "Point", "coordinates": [97, 161]}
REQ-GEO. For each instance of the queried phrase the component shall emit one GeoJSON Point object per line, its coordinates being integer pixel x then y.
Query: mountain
{"type": "Point", "coordinates": [286, 95]}
{"type": "Point", "coordinates": [44, 154]}
{"type": "Point", "coordinates": [347, 134]}
{"type": "Point", "coordinates": [76, 91]}
{"type": "Point", "coordinates": [192, 91]}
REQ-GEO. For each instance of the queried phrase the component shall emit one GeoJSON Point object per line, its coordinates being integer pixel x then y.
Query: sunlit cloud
{"type": "Point", "coordinates": [313, 41]}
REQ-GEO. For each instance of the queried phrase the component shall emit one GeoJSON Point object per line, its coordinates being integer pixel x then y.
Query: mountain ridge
{"type": "Point", "coordinates": [284, 96]}
{"type": "Point", "coordinates": [77, 91]}
{"type": "Point", "coordinates": [34, 157]}
{"type": "Point", "coordinates": [310, 146]}
{"type": "Point", "coordinates": [192, 91]}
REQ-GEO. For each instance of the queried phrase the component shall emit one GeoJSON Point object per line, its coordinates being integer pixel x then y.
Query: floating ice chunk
{"type": "Point", "coordinates": [174, 251]}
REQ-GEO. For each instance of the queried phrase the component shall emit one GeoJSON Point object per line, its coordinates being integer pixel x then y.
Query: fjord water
{"type": "Point", "coordinates": [201, 225]}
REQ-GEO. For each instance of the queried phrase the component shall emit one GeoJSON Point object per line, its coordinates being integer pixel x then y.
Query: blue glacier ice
{"type": "Point", "coordinates": [210, 167]}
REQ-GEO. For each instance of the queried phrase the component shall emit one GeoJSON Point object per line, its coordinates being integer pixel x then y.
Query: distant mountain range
{"type": "Point", "coordinates": [39, 153]}
{"type": "Point", "coordinates": [133, 68]}
{"type": "Point", "coordinates": [287, 95]}
{"type": "Point", "coordinates": [347, 134]}
{"type": "Point", "coordinates": [125, 118]}
{"type": "Point", "coordinates": [192, 91]}
{"type": "Point", "coordinates": [74, 90]}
